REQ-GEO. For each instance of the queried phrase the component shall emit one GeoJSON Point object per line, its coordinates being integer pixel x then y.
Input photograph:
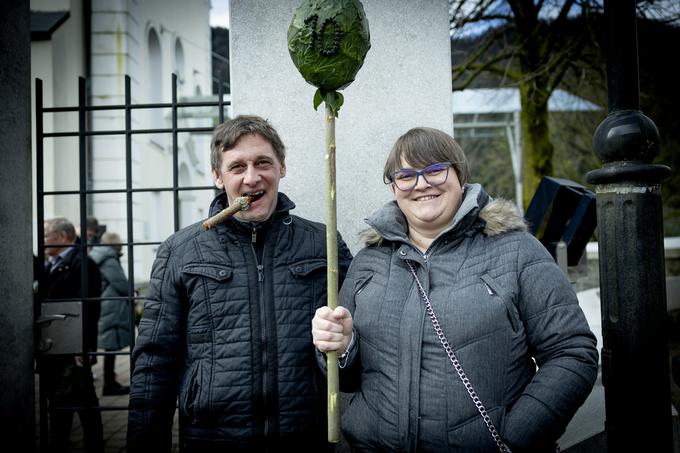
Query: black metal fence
{"type": "Point", "coordinates": [85, 194]}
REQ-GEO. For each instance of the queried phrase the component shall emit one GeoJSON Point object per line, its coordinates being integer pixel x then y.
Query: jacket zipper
{"type": "Point", "coordinates": [263, 330]}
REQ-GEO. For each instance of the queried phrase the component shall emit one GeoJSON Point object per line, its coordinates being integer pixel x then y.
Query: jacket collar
{"type": "Point", "coordinates": [477, 210]}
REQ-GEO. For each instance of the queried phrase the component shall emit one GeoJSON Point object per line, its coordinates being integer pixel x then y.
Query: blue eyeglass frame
{"type": "Point", "coordinates": [421, 172]}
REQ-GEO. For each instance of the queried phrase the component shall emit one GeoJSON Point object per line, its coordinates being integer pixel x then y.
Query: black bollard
{"type": "Point", "coordinates": [635, 370]}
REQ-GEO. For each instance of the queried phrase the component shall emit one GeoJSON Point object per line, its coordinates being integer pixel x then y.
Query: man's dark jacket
{"type": "Point", "coordinates": [64, 282]}
{"type": "Point", "coordinates": [227, 327]}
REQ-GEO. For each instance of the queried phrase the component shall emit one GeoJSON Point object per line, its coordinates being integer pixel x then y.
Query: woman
{"type": "Point", "coordinates": [516, 332]}
{"type": "Point", "coordinates": [114, 320]}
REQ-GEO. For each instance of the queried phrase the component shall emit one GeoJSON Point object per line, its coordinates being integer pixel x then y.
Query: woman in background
{"type": "Point", "coordinates": [114, 320]}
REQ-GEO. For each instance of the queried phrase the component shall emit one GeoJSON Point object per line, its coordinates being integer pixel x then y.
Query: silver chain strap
{"type": "Point", "coordinates": [456, 364]}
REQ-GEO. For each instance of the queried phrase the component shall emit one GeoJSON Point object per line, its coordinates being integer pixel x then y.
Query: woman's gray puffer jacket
{"type": "Point", "coordinates": [508, 312]}
{"type": "Point", "coordinates": [114, 320]}
{"type": "Point", "coordinates": [230, 333]}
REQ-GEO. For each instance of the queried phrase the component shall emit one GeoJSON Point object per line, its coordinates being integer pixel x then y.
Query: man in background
{"type": "Point", "coordinates": [67, 379]}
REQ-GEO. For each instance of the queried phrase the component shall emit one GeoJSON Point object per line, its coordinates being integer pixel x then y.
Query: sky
{"type": "Point", "coordinates": [219, 13]}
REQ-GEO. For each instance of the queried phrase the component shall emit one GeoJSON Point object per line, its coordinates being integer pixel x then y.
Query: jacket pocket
{"type": "Point", "coordinates": [309, 275]}
{"type": "Point", "coordinates": [190, 393]}
{"type": "Point", "coordinates": [304, 268]}
{"type": "Point", "coordinates": [205, 282]}
{"type": "Point", "coordinates": [216, 272]}
{"type": "Point", "coordinates": [362, 284]}
{"type": "Point", "coordinates": [474, 431]}
{"type": "Point", "coordinates": [496, 292]}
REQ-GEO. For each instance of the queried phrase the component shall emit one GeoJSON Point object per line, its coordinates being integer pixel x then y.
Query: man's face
{"type": "Point", "coordinates": [251, 168]}
{"type": "Point", "coordinates": [54, 238]}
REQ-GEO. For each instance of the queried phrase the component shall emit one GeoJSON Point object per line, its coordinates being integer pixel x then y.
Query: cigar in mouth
{"type": "Point", "coordinates": [239, 204]}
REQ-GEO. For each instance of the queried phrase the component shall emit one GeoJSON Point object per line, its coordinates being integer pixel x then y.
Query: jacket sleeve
{"type": "Point", "coordinates": [344, 260]}
{"type": "Point", "coordinates": [157, 357]}
{"type": "Point", "coordinates": [563, 347]}
{"type": "Point", "coordinates": [350, 374]}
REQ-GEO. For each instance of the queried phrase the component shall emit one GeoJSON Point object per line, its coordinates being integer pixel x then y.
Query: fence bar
{"type": "Point", "coordinates": [129, 212]}
{"type": "Point", "coordinates": [175, 157]}
{"type": "Point", "coordinates": [85, 192]}
{"type": "Point", "coordinates": [40, 206]}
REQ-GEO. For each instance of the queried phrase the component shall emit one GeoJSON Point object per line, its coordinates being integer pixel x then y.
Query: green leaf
{"type": "Point", "coordinates": [334, 100]}
{"type": "Point", "coordinates": [318, 99]}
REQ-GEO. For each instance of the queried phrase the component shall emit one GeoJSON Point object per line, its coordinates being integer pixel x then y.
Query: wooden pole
{"type": "Point", "coordinates": [332, 278]}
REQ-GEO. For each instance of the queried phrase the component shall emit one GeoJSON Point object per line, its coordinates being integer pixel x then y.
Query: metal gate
{"type": "Point", "coordinates": [60, 323]}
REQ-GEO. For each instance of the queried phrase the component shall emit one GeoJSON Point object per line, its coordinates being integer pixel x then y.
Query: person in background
{"type": "Point", "coordinates": [94, 231]}
{"type": "Point", "coordinates": [456, 328]}
{"type": "Point", "coordinates": [67, 379]}
{"type": "Point", "coordinates": [114, 320]}
{"type": "Point", "coordinates": [226, 321]}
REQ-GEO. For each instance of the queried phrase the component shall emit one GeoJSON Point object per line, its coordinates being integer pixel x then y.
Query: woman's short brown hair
{"type": "Point", "coordinates": [423, 146]}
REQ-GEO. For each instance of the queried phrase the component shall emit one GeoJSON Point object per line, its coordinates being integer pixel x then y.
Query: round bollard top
{"type": "Point", "coordinates": [626, 135]}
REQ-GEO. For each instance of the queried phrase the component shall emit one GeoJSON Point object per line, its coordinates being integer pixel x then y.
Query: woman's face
{"type": "Point", "coordinates": [429, 208]}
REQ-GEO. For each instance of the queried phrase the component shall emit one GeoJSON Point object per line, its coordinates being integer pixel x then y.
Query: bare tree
{"type": "Point", "coordinates": [530, 44]}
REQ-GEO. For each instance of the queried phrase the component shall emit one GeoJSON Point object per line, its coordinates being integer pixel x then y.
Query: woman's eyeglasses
{"type": "Point", "coordinates": [407, 179]}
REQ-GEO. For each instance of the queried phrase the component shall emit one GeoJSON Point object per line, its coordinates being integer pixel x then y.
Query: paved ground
{"type": "Point", "coordinates": [114, 412]}
{"type": "Point", "coordinates": [584, 434]}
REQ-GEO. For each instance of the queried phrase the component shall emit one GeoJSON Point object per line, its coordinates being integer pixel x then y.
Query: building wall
{"type": "Point", "coordinates": [119, 46]}
{"type": "Point", "coordinates": [404, 82]}
{"type": "Point", "coordinates": [59, 62]}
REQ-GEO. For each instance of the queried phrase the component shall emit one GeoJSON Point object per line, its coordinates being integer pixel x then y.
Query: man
{"type": "Point", "coordinates": [94, 232]}
{"type": "Point", "coordinates": [67, 380]}
{"type": "Point", "coordinates": [226, 321]}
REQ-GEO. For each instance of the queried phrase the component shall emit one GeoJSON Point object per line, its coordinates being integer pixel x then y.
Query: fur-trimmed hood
{"type": "Point", "coordinates": [493, 216]}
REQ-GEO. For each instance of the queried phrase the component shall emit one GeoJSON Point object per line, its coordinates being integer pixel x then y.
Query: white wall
{"type": "Point", "coordinates": [59, 62]}
{"type": "Point", "coordinates": [405, 82]}
{"type": "Point", "coordinates": [119, 47]}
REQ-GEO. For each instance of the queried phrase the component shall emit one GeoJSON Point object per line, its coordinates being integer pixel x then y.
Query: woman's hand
{"type": "Point", "coordinates": [332, 329]}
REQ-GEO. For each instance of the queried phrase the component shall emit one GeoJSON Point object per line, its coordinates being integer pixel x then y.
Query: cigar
{"type": "Point", "coordinates": [239, 204]}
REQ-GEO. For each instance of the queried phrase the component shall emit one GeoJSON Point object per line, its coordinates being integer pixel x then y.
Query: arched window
{"type": "Point", "coordinates": [187, 200]}
{"type": "Point", "coordinates": [179, 63]}
{"type": "Point", "coordinates": [155, 83]}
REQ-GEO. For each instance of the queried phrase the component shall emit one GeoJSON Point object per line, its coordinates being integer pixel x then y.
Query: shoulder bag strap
{"type": "Point", "coordinates": [456, 364]}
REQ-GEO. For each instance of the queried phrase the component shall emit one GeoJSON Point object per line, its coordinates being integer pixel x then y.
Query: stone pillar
{"type": "Point", "coordinates": [17, 408]}
{"type": "Point", "coordinates": [405, 82]}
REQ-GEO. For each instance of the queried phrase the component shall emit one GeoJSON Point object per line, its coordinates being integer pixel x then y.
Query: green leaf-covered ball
{"type": "Point", "coordinates": [328, 41]}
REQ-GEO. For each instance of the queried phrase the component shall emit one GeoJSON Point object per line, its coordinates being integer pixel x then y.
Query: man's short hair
{"type": "Point", "coordinates": [92, 222]}
{"type": "Point", "coordinates": [227, 134]}
{"type": "Point", "coordinates": [59, 224]}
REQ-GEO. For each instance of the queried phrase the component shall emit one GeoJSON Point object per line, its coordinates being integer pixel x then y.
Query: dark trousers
{"type": "Point", "coordinates": [109, 370]}
{"type": "Point", "coordinates": [70, 388]}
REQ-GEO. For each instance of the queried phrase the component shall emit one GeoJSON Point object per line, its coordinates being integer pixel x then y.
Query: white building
{"type": "Point", "coordinates": [103, 41]}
